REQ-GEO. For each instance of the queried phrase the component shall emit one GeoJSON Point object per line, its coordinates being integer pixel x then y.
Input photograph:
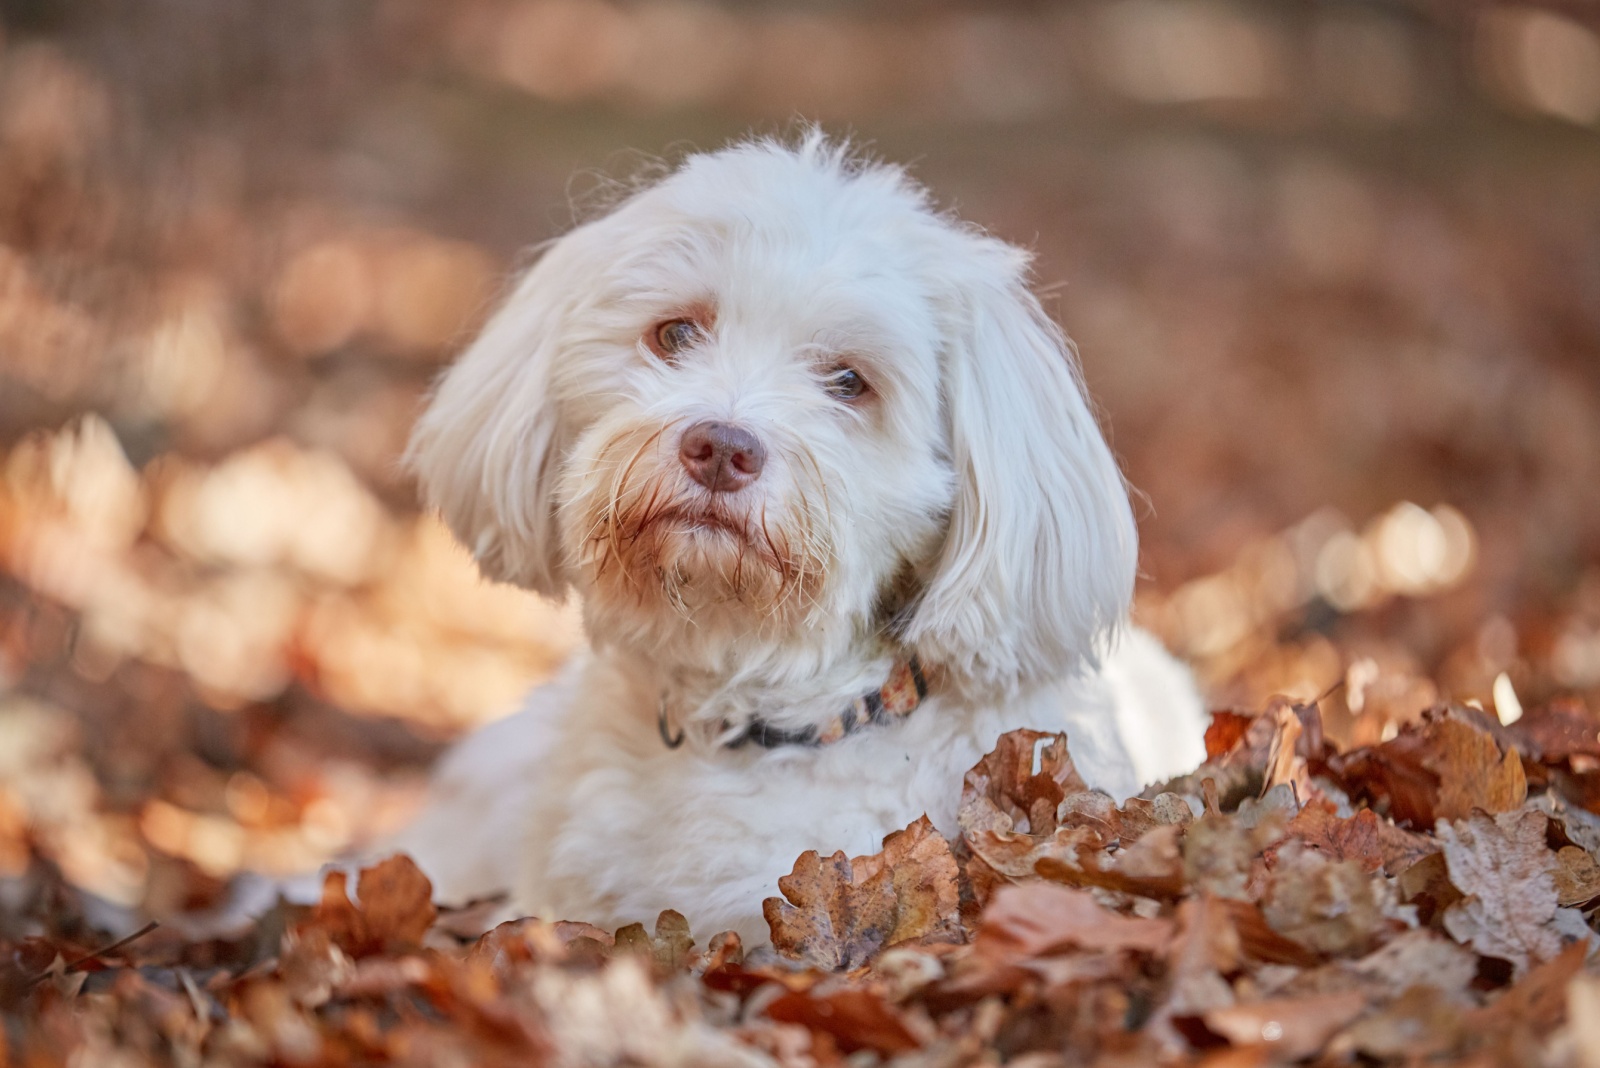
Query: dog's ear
{"type": "Point", "coordinates": [488, 448]}
{"type": "Point", "coordinates": [1038, 565]}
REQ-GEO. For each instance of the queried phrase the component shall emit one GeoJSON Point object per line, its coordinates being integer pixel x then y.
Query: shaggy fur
{"type": "Point", "coordinates": [964, 509]}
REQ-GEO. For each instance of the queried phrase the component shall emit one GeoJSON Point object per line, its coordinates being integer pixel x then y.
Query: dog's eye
{"type": "Point", "coordinates": [846, 383]}
{"type": "Point", "coordinates": [674, 336]}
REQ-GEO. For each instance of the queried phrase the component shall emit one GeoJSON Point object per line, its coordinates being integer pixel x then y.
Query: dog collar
{"type": "Point", "coordinates": [897, 698]}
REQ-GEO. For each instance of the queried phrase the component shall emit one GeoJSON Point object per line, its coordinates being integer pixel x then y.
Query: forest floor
{"type": "Point", "coordinates": [1345, 336]}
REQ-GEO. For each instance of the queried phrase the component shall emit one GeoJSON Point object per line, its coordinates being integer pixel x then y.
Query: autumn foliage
{"type": "Point", "coordinates": [1428, 898]}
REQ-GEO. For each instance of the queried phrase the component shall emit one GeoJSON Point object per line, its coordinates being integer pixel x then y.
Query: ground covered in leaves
{"type": "Point", "coordinates": [1427, 899]}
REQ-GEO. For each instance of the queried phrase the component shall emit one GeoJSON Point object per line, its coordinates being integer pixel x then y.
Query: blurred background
{"type": "Point", "coordinates": [1334, 269]}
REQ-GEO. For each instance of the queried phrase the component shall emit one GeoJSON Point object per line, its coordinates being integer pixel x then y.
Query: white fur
{"type": "Point", "coordinates": [968, 510]}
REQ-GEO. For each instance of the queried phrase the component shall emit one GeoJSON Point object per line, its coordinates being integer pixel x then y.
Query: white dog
{"type": "Point", "coordinates": [824, 476]}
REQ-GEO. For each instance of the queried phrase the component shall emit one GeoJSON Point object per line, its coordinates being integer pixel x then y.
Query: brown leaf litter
{"type": "Point", "coordinates": [1420, 900]}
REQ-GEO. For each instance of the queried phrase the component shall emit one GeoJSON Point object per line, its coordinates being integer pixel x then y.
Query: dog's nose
{"type": "Point", "coordinates": [722, 457]}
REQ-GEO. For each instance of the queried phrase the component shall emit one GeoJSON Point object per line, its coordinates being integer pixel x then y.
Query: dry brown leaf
{"type": "Point", "coordinates": [1010, 856]}
{"type": "Point", "coordinates": [670, 947]}
{"type": "Point", "coordinates": [1327, 905]}
{"type": "Point", "coordinates": [1418, 958]}
{"type": "Point", "coordinates": [1538, 1000]}
{"type": "Point", "coordinates": [926, 882]}
{"type": "Point", "coordinates": [1577, 876]}
{"type": "Point", "coordinates": [1037, 919]}
{"type": "Point", "coordinates": [1510, 909]}
{"type": "Point", "coordinates": [828, 920]}
{"type": "Point", "coordinates": [1135, 818]}
{"type": "Point", "coordinates": [1290, 1028]}
{"type": "Point", "coordinates": [1225, 732]}
{"type": "Point", "coordinates": [1284, 764]}
{"type": "Point", "coordinates": [839, 913]}
{"type": "Point", "coordinates": [1221, 853]}
{"type": "Point", "coordinates": [396, 900]}
{"type": "Point", "coordinates": [1150, 867]}
{"type": "Point", "coordinates": [1003, 792]}
{"type": "Point", "coordinates": [1471, 778]}
{"type": "Point", "coordinates": [1443, 768]}
{"type": "Point", "coordinates": [1366, 838]}
{"type": "Point", "coordinates": [1421, 1023]}
{"type": "Point", "coordinates": [395, 908]}
{"type": "Point", "coordinates": [857, 1019]}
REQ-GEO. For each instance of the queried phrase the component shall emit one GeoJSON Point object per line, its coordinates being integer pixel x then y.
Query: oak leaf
{"type": "Point", "coordinates": [1443, 768]}
{"type": "Point", "coordinates": [394, 908]}
{"type": "Point", "coordinates": [1038, 919]}
{"type": "Point", "coordinates": [670, 946]}
{"type": "Point", "coordinates": [1151, 867]}
{"type": "Point", "coordinates": [926, 882]}
{"type": "Point", "coordinates": [1003, 792]}
{"type": "Point", "coordinates": [836, 914]}
{"type": "Point", "coordinates": [1510, 909]}
{"type": "Point", "coordinates": [1366, 838]}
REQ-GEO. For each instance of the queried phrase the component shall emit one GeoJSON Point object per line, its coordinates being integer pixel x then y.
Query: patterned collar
{"type": "Point", "coordinates": [894, 700]}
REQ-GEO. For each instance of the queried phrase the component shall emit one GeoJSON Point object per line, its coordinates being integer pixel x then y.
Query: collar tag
{"type": "Point", "coordinates": [664, 728]}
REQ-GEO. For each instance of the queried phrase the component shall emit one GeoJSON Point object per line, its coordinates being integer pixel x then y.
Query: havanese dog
{"type": "Point", "coordinates": [824, 477]}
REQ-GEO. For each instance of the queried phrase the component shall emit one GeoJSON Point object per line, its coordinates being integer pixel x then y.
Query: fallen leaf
{"type": "Point", "coordinates": [1327, 905]}
{"type": "Point", "coordinates": [838, 913]}
{"type": "Point", "coordinates": [1510, 908]}
{"type": "Point", "coordinates": [395, 908]}
{"type": "Point", "coordinates": [1366, 838]}
{"type": "Point", "coordinates": [396, 901]}
{"type": "Point", "coordinates": [670, 947]}
{"type": "Point", "coordinates": [1151, 867]}
{"type": "Point", "coordinates": [1291, 1028]}
{"type": "Point", "coordinates": [856, 1019]}
{"type": "Point", "coordinates": [1420, 1023]}
{"type": "Point", "coordinates": [926, 882]}
{"type": "Point", "coordinates": [1538, 1000]}
{"type": "Point", "coordinates": [1138, 816]}
{"type": "Point", "coordinates": [1443, 768]}
{"type": "Point", "coordinates": [1037, 919]}
{"type": "Point", "coordinates": [1576, 875]}
{"type": "Point", "coordinates": [1225, 732]}
{"type": "Point", "coordinates": [1003, 792]}
{"type": "Point", "coordinates": [828, 920]}
{"type": "Point", "coordinates": [1284, 763]}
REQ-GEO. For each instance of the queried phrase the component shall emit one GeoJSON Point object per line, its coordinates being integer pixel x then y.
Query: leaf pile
{"type": "Point", "coordinates": [1430, 899]}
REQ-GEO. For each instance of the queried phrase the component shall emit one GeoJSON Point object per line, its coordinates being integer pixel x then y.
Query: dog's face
{"type": "Point", "coordinates": [775, 401]}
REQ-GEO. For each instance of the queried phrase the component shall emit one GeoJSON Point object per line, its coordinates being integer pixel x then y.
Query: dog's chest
{"type": "Point", "coordinates": [629, 831]}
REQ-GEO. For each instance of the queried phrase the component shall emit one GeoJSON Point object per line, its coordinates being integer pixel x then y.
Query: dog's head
{"type": "Point", "coordinates": [776, 399]}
